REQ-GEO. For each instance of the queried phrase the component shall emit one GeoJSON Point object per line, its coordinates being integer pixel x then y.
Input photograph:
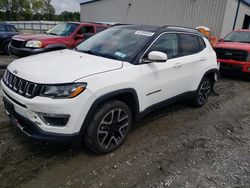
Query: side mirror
{"type": "Point", "coordinates": [79, 36]}
{"type": "Point", "coordinates": [156, 56]}
{"type": "Point", "coordinates": [221, 40]}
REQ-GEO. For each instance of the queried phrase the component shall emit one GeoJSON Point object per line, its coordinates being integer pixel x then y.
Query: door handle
{"type": "Point", "coordinates": [203, 59]}
{"type": "Point", "coordinates": [177, 65]}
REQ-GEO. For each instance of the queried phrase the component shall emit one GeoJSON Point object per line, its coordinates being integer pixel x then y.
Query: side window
{"type": "Point", "coordinates": [202, 43]}
{"type": "Point", "coordinates": [99, 29]}
{"type": "Point", "coordinates": [86, 29]}
{"type": "Point", "coordinates": [2, 28]}
{"type": "Point", "coordinates": [11, 28]}
{"type": "Point", "coordinates": [189, 44]}
{"type": "Point", "coordinates": [167, 43]}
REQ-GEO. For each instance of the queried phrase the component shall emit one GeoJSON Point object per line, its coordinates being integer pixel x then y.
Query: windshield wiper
{"type": "Point", "coordinates": [244, 41]}
{"type": "Point", "coordinates": [92, 53]}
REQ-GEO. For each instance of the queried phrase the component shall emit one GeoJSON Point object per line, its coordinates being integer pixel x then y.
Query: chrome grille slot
{"type": "Point", "coordinates": [4, 76]}
{"type": "Point", "coordinates": [16, 83]}
{"type": "Point", "coordinates": [10, 80]}
{"type": "Point", "coordinates": [20, 86]}
{"type": "Point", "coordinates": [30, 89]}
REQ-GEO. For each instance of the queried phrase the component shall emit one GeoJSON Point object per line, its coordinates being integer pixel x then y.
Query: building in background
{"type": "Point", "coordinates": [221, 16]}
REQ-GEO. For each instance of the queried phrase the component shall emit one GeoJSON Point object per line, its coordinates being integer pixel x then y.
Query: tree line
{"type": "Point", "coordinates": [19, 10]}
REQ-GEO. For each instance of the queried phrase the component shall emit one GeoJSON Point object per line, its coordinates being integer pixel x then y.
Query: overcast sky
{"type": "Point", "coordinates": [67, 5]}
{"type": "Point", "coordinates": [73, 5]}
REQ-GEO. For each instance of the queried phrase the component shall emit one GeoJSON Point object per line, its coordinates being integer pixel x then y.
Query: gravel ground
{"type": "Point", "coordinates": [4, 59]}
{"type": "Point", "coordinates": [177, 146]}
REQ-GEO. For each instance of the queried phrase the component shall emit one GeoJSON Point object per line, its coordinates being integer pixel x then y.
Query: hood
{"type": "Point", "coordinates": [234, 46]}
{"type": "Point", "coordinates": [64, 66]}
{"type": "Point", "coordinates": [36, 37]}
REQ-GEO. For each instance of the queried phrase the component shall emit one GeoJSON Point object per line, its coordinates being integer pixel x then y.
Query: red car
{"type": "Point", "coordinates": [63, 35]}
{"type": "Point", "coordinates": [233, 53]}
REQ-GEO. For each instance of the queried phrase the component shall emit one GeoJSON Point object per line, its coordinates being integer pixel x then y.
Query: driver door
{"type": "Point", "coordinates": [161, 81]}
{"type": "Point", "coordinates": [86, 32]}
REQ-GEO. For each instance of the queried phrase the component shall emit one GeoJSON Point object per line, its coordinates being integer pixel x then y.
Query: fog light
{"type": "Point", "coordinates": [58, 120]}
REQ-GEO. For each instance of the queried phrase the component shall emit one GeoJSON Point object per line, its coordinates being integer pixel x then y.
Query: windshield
{"type": "Point", "coordinates": [63, 29]}
{"type": "Point", "coordinates": [238, 36]}
{"type": "Point", "coordinates": [116, 43]}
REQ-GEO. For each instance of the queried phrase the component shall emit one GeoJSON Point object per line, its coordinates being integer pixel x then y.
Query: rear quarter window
{"type": "Point", "coordinates": [190, 44]}
{"type": "Point", "coordinates": [202, 43]}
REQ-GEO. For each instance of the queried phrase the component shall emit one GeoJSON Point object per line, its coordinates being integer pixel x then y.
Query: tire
{"type": "Point", "coordinates": [6, 48]}
{"type": "Point", "coordinates": [109, 127]}
{"type": "Point", "coordinates": [203, 92]}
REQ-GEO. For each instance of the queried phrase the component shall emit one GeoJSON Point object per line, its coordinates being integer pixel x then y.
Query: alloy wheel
{"type": "Point", "coordinates": [204, 92]}
{"type": "Point", "coordinates": [113, 128]}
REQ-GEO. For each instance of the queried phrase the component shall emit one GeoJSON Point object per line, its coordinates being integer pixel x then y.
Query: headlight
{"type": "Point", "coordinates": [63, 91]}
{"type": "Point", "coordinates": [34, 44]}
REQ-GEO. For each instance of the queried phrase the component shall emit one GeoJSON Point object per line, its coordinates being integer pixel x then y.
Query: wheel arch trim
{"type": "Point", "coordinates": [106, 97]}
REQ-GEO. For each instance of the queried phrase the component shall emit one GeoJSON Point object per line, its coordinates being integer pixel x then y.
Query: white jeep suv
{"type": "Point", "coordinates": [95, 92]}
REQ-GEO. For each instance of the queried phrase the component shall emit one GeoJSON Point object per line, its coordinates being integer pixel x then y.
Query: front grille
{"type": "Point", "coordinates": [238, 55]}
{"type": "Point", "coordinates": [20, 86]}
{"type": "Point", "coordinates": [231, 66]}
{"type": "Point", "coordinates": [18, 43]}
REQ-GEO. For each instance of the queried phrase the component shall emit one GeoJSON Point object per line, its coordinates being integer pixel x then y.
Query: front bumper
{"type": "Point", "coordinates": [23, 52]}
{"type": "Point", "coordinates": [234, 67]}
{"type": "Point", "coordinates": [33, 131]}
{"type": "Point", "coordinates": [24, 114]}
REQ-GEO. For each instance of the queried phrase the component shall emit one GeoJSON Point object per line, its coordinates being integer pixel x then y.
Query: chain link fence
{"type": "Point", "coordinates": [33, 26]}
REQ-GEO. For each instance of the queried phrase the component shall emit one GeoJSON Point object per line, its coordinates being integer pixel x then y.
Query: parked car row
{"type": "Point", "coordinates": [95, 92]}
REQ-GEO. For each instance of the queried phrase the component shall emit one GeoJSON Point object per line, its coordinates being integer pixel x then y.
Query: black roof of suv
{"type": "Point", "coordinates": [162, 28]}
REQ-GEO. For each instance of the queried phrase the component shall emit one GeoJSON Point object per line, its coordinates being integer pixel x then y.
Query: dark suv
{"type": "Point", "coordinates": [7, 31]}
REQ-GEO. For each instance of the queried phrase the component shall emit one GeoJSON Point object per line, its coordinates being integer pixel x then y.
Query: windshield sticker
{"type": "Point", "coordinates": [120, 54]}
{"type": "Point", "coordinates": [144, 33]}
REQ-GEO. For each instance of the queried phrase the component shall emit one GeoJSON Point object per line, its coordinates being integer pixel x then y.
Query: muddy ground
{"type": "Point", "coordinates": [177, 146]}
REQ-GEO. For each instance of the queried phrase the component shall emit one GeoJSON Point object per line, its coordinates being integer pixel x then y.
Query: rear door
{"type": "Point", "coordinates": [192, 59]}
{"type": "Point", "coordinates": [87, 32]}
{"type": "Point", "coordinates": [83, 33]}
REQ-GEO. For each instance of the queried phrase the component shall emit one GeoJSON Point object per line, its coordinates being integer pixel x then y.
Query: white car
{"type": "Point", "coordinates": [95, 92]}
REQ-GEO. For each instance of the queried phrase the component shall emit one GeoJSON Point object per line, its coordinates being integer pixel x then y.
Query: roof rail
{"type": "Point", "coordinates": [179, 27]}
